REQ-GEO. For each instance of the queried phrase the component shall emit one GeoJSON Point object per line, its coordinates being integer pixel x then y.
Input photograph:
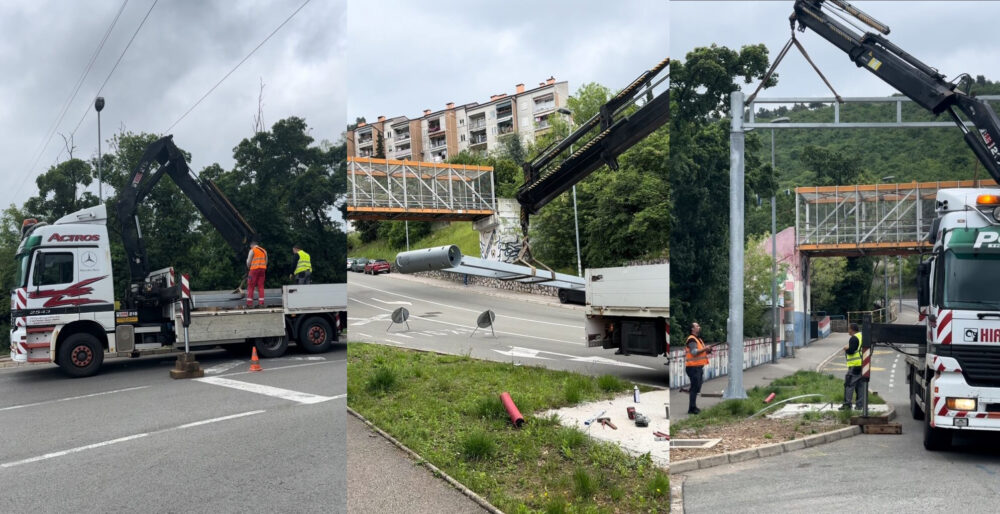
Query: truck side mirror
{"type": "Point", "coordinates": [923, 284]}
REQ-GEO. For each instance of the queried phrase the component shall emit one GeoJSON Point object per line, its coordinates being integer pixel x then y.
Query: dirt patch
{"type": "Point", "coordinates": [749, 434]}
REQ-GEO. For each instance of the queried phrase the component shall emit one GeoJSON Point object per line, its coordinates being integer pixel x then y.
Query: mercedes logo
{"type": "Point", "coordinates": [89, 259]}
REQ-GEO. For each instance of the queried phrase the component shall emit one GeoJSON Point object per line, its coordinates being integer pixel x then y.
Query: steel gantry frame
{"type": "Point", "coordinates": [746, 120]}
{"type": "Point", "coordinates": [389, 189]}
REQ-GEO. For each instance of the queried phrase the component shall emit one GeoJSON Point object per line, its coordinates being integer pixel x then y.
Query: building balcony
{"type": "Point", "coordinates": [438, 143]}
{"type": "Point", "coordinates": [542, 107]}
{"type": "Point", "coordinates": [476, 141]}
{"type": "Point", "coordinates": [477, 125]}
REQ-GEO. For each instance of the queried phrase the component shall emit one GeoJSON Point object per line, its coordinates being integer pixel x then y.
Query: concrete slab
{"type": "Point", "coordinates": [633, 439]}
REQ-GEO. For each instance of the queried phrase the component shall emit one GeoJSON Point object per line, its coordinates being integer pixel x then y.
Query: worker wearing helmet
{"type": "Point", "coordinates": [257, 263]}
{"type": "Point", "coordinates": [303, 267]}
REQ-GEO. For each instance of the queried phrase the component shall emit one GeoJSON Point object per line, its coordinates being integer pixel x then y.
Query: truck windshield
{"type": "Point", "coordinates": [23, 258]}
{"type": "Point", "coordinates": [971, 281]}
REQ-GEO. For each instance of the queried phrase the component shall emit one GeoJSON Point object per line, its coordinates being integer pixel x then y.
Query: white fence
{"type": "Point", "coordinates": [755, 352]}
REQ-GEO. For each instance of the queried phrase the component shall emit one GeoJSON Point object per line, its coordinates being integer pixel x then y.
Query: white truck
{"type": "Point", "coordinates": [955, 376]}
{"type": "Point", "coordinates": [63, 306]}
{"type": "Point", "coordinates": [628, 308]}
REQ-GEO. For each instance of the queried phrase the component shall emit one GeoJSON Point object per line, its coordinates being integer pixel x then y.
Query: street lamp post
{"type": "Point", "coordinates": [576, 220]}
{"type": "Point", "coordinates": [98, 105]}
{"type": "Point", "coordinates": [775, 321]}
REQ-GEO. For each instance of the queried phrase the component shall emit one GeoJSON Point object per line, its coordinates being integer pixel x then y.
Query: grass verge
{"type": "Point", "coordinates": [446, 408]}
{"type": "Point", "coordinates": [461, 234]}
{"type": "Point", "coordinates": [830, 389]}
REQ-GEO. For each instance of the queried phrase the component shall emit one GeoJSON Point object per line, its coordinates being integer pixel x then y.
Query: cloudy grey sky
{"type": "Point", "coordinates": [952, 36]}
{"type": "Point", "coordinates": [406, 56]}
{"type": "Point", "coordinates": [184, 48]}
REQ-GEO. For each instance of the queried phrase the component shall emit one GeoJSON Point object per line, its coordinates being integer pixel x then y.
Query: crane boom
{"type": "Point", "coordinates": [203, 193]}
{"type": "Point", "coordinates": [918, 81]}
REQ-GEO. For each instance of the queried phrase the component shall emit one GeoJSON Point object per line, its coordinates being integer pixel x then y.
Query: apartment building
{"type": "Point", "coordinates": [473, 126]}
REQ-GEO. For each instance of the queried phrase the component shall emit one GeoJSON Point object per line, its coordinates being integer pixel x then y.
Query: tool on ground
{"type": "Point", "coordinates": [641, 420]}
{"type": "Point", "coordinates": [254, 361]}
{"type": "Point", "coordinates": [660, 436]}
{"type": "Point", "coordinates": [515, 415]}
{"type": "Point", "coordinates": [607, 423]}
{"type": "Point", "coordinates": [593, 419]}
{"type": "Point", "coordinates": [635, 394]}
{"type": "Point", "coordinates": [631, 412]}
{"type": "Point", "coordinates": [239, 288]}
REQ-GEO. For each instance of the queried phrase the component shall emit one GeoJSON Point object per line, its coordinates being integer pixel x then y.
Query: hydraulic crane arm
{"type": "Point", "coordinates": [545, 178]}
{"type": "Point", "coordinates": [918, 81]}
{"type": "Point", "coordinates": [204, 194]}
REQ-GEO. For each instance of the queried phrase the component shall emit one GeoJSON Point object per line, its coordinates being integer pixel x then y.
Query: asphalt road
{"type": "Point", "coordinates": [133, 440]}
{"type": "Point", "coordinates": [528, 330]}
{"type": "Point", "coordinates": [866, 473]}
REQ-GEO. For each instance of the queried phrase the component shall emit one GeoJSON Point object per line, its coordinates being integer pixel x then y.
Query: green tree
{"type": "Point", "coordinates": [58, 190]}
{"type": "Point", "coordinates": [699, 177]}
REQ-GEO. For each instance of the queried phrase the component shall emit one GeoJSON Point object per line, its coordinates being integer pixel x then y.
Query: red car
{"type": "Point", "coordinates": [377, 266]}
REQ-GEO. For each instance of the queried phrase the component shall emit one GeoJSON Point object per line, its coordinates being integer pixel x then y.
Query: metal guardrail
{"type": "Point", "coordinates": [756, 351]}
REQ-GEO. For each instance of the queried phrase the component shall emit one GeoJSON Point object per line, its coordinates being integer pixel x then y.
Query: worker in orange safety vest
{"type": "Point", "coordinates": [257, 263]}
{"type": "Point", "coordinates": [695, 360]}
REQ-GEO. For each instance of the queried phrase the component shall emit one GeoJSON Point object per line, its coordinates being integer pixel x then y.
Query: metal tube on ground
{"type": "Point", "coordinates": [429, 259]}
{"type": "Point", "coordinates": [515, 415]}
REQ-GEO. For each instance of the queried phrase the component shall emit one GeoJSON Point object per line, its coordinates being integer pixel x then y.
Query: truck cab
{"type": "Point", "coordinates": [64, 286]}
{"type": "Point", "coordinates": [957, 381]}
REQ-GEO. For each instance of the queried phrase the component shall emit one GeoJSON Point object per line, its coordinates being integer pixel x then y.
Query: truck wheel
{"type": "Point", "coordinates": [81, 355]}
{"type": "Point", "coordinates": [935, 439]}
{"type": "Point", "coordinates": [316, 335]}
{"type": "Point", "coordinates": [271, 347]}
{"type": "Point", "coordinates": [562, 296]}
{"type": "Point", "coordinates": [915, 409]}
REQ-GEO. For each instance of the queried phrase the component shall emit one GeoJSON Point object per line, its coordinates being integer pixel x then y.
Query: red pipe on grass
{"type": "Point", "coordinates": [515, 415]}
{"type": "Point", "coordinates": [769, 398]}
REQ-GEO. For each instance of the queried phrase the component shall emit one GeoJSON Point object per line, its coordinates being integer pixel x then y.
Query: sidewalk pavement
{"type": "Point", "coordinates": [807, 358]}
{"type": "Point", "coordinates": [382, 478]}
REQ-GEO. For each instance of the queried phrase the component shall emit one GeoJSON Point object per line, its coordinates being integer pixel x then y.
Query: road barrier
{"type": "Point", "coordinates": [756, 351]}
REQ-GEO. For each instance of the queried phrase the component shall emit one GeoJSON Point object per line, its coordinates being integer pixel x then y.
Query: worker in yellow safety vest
{"type": "Point", "coordinates": [257, 263]}
{"type": "Point", "coordinates": [303, 267]}
{"type": "Point", "coordinates": [695, 360]}
{"type": "Point", "coordinates": [853, 378]}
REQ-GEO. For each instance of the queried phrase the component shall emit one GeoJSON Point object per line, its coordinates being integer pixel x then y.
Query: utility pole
{"type": "Point", "coordinates": [737, 138]}
{"type": "Point", "coordinates": [774, 257]}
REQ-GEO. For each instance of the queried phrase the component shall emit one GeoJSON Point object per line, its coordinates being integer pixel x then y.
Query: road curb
{"type": "Point", "coordinates": [423, 462]}
{"type": "Point", "coordinates": [11, 364]}
{"type": "Point", "coordinates": [769, 450]}
{"type": "Point", "coordinates": [827, 360]}
{"type": "Point", "coordinates": [677, 494]}
{"type": "Point", "coordinates": [498, 293]}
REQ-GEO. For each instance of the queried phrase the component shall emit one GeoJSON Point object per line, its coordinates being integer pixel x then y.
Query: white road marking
{"type": "Point", "coordinates": [531, 353]}
{"type": "Point", "coordinates": [392, 303]}
{"type": "Point", "coordinates": [575, 343]}
{"type": "Point", "coordinates": [290, 366]}
{"type": "Point", "coordinates": [307, 358]}
{"type": "Point", "coordinates": [399, 334]}
{"type": "Point", "coordinates": [71, 398]}
{"type": "Point", "coordinates": [394, 342]}
{"type": "Point", "coordinates": [362, 334]}
{"type": "Point", "coordinates": [223, 418]}
{"type": "Point", "coordinates": [463, 308]}
{"type": "Point", "coordinates": [72, 450]}
{"type": "Point", "coordinates": [357, 322]}
{"type": "Point", "coordinates": [276, 392]}
{"type": "Point", "coordinates": [132, 437]}
{"type": "Point", "coordinates": [224, 367]}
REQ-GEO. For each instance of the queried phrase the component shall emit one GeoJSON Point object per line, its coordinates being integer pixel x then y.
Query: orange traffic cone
{"type": "Point", "coordinates": [254, 362]}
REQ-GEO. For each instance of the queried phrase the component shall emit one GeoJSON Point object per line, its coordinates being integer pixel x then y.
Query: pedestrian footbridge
{"type": "Point", "coordinates": [874, 219]}
{"type": "Point", "coordinates": [388, 189]}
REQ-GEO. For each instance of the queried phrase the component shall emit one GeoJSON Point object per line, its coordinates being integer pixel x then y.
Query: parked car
{"type": "Point", "coordinates": [350, 263]}
{"type": "Point", "coordinates": [358, 266]}
{"type": "Point", "coordinates": [377, 266]}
